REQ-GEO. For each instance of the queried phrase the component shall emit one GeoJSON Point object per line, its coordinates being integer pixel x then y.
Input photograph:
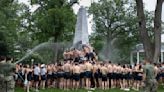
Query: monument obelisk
{"type": "Point", "coordinates": [81, 31]}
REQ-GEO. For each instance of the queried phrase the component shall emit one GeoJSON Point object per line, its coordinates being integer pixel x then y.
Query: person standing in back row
{"type": "Point", "coordinates": [36, 76]}
{"type": "Point", "coordinates": [149, 75]}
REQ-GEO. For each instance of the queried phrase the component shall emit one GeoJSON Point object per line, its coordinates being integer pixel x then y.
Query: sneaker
{"type": "Point", "coordinates": [36, 90]}
{"type": "Point", "coordinates": [92, 88]}
{"type": "Point", "coordinates": [127, 89]}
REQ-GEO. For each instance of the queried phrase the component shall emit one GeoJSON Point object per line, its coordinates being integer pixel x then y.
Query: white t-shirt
{"type": "Point", "coordinates": [36, 70]}
{"type": "Point", "coordinates": [43, 71]}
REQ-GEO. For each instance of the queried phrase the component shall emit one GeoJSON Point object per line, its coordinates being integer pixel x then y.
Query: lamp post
{"type": "Point", "coordinates": [32, 62]}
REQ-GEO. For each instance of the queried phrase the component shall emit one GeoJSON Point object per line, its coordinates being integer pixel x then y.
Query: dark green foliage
{"type": "Point", "coordinates": [3, 45]}
{"type": "Point", "coordinates": [9, 25]}
{"type": "Point", "coordinates": [115, 28]}
{"type": "Point", "coordinates": [115, 22]}
{"type": "Point", "coordinates": [54, 18]}
{"type": "Point", "coordinates": [23, 29]}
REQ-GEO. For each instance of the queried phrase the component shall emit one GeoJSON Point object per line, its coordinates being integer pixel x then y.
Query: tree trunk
{"type": "Point", "coordinates": [157, 29]}
{"type": "Point", "coordinates": [152, 49]}
{"type": "Point", "coordinates": [143, 32]}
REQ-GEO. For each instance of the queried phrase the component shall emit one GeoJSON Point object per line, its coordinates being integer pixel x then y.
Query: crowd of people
{"type": "Point", "coordinates": [81, 69]}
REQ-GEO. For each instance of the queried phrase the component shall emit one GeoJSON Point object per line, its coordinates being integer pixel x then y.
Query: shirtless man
{"type": "Point", "coordinates": [26, 88]}
{"type": "Point", "coordinates": [82, 74]}
{"type": "Point", "coordinates": [29, 77]}
{"type": "Point", "coordinates": [60, 74]}
{"type": "Point", "coordinates": [96, 74]}
{"type": "Point", "coordinates": [125, 78]}
{"type": "Point", "coordinates": [76, 76]}
{"type": "Point", "coordinates": [16, 74]}
{"type": "Point", "coordinates": [139, 77]}
{"type": "Point", "coordinates": [21, 71]}
{"type": "Point", "coordinates": [110, 69]}
{"type": "Point", "coordinates": [49, 75]}
{"type": "Point", "coordinates": [135, 69]}
{"type": "Point", "coordinates": [55, 75]}
{"type": "Point", "coordinates": [122, 79]}
{"type": "Point", "coordinates": [88, 74]}
{"type": "Point", "coordinates": [104, 71]}
{"type": "Point", "coordinates": [114, 75]}
{"type": "Point", "coordinates": [67, 71]}
{"type": "Point", "coordinates": [118, 75]}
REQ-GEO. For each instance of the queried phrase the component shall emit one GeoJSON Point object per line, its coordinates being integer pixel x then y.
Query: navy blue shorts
{"type": "Point", "coordinates": [60, 74]}
{"type": "Point", "coordinates": [49, 76]}
{"type": "Point", "coordinates": [36, 77]}
{"type": "Point", "coordinates": [55, 75]}
{"type": "Point", "coordinates": [29, 77]}
{"type": "Point", "coordinates": [82, 75]}
{"type": "Point", "coordinates": [67, 75]}
{"type": "Point", "coordinates": [162, 75]}
{"type": "Point", "coordinates": [109, 75]}
{"type": "Point", "coordinates": [114, 76]}
{"type": "Point", "coordinates": [122, 76]}
{"type": "Point", "coordinates": [139, 78]}
{"type": "Point", "coordinates": [158, 77]}
{"type": "Point", "coordinates": [96, 75]}
{"type": "Point", "coordinates": [128, 77]}
{"type": "Point", "coordinates": [88, 74]}
{"type": "Point", "coordinates": [43, 77]}
{"type": "Point", "coordinates": [76, 77]}
{"type": "Point", "coordinates": [104, 77]}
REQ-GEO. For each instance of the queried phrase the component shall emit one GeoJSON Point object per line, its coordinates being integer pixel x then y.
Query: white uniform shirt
{"type": "Point", "coordinates": [36, 70]}
{"type": "Point", "coordinates": [43, 71]}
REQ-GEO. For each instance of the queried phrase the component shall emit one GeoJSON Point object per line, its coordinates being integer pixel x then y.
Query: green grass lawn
{"type": "Point", "coordinates": [82, 90]}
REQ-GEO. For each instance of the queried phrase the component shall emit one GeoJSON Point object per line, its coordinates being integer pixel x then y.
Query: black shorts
{"type": "Point", "coordinates": [135, 75]}
{"type": "Point", "coordinates": [158, 77]}
{"type": "Point", "coordinates": [43, 77]}
{"type": "Point", "coordinates": [122, 76]}
{"type": "Point", "coordinates": [55, 75]}
{"type": "Point", "coordinates": [76, 77]}
{"type": "Point", "coordinates": [139, 78]}
{"type": "Point", "coordinates": [104, 77]}
{"type": "Point", "coordinates": [67, 75]}
{"type": "Point", "coordinates": [36, 78]}
{"type": "Point", "coordinates": [109, 75]}
{"type": "Point", "coordinates": [82, 75]}
{"type": "Point", "coordinates": [21, 76]}
{"type": "Point", "coordinates": [129, 76]}
{"type": "Point", "coordinates": [96, 75]}
{"type": "Point", "coordinates": [114, 76]}
{"type": "Point", "coordinates": [29, 77]}
{"type": "Point", "coordinates": [49, 76]}
{"type": "Point", "coordinates": [162, 75]}
{"type": "Point", "coordinates": [88, 74]}
{"type": "Point", "coordinates": [60, 74]}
